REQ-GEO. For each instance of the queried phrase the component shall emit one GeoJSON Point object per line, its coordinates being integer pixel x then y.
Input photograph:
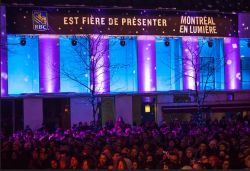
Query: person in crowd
{"type": "Point", "coordinates": [226, 165]}
{"type": "Point", "coordinates": [103, 162]}
{"type": "Point", "coordinates": [186, 167]}
{"type": "Point", "coordinates": [62, 164]}
{"type": "Point", "coordinates": [74, 163]}
{"type": "Point", "coordinates": [121, 164]}
{"type": "Point", "coordinates": [247, 162]}
{"type": "Point", "coordinates": [115, 158]}
{"type": "Point", "coordinates": [149, 164]}
{"type": "Point", "coordinates": [165, 166]}
{"type": "Point", "coordinates": [135, 165]}
{"type": "Point", "coordinates": [202, 150]}
{"type": "Point", "coordinates": [53, 164]}
{"type": "Point", "coordinates": [34, 161]}
{"type": "Point", "coordinates": [205, 162]}
{"type": "Point", "coordinates": [188, 157]}
{"type": "Point", "coordinates": [213, 160]}
{"type": "Point", "coordinates": [87, 164]}
{"type": "Point", "coordinates": [213, 150]}
{"type": "Point", "coordinates": [220, 144]}
{"type": "Point", "coordinates": [173, 161]}
{"type": "Point", "coordinates": [43, 159]}
{"type": "Point", "coordinates": [197, 166]}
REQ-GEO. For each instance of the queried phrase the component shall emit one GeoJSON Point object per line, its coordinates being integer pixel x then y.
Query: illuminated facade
{"type": "Point", "coordinates": [154, 64]}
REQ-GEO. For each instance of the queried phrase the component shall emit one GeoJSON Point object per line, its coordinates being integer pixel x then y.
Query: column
{"type": "Point", "coordinates": [146, 63]}
{"type": "Point", "coordinates": [232, 63]}
{"type": "Point", "coordinates": [190, 61]}
{"type": "Point", "coordinates": [3, 53]}
{"type": "Point", "coordinates": [123, 108]}
{"type": "Point", "coordinates": [80, 110]}
{"type": "Point", "coordinates": [33, 112]}
{"type": "Point", "coordinates": [99, 67]}
{"type": "Point", "coordinates": [49, 63]}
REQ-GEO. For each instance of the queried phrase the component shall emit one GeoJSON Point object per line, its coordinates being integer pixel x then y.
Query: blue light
{"type": "Point", "coordinates": [244, 49]}
{"type": "Point", "coordinates": [216, 52]}
{"type": "Point", "coordinates": [23, 74]}
{"type": "Point", "coordinates": [124, 78]}
{"type": "Point", "coordinates": [72, 60]}
{"type": "Point", "coordinates": [245, 63]}
{"type": "Point", "coordinates": [168, 64]}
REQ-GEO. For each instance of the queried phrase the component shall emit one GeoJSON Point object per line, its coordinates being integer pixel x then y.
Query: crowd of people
{"type": "Point", "coordinates": [223, 144]}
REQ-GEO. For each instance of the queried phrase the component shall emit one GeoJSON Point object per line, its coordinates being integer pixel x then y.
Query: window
{"type": "Point", "coordinates": [217, 52]}
{"type": "Point", "coordinates": [23, 64]}
{"type": "Point", "coordinates": [245, 73]}
{"type": "Point", "coordinates": [73, 59]}
{"type": "Point", "coordinates": [123, 62]}
{"type": "Point", "coordinates": [168, 64]}
{"type": "Point", "coordinates": [245, 63]}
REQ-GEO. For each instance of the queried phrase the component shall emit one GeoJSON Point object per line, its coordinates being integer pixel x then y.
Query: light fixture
{"type": "Point", "coordinates": [167, 42]}
{"type": "Point", "coordinates": [74, 42]}
{"type": "Point", "coordinates": [147, 108]}
{"type": "Point", "coordinates": [210, 43]}
{"type": "Point", "coordinates": [23, 41]}
{"type": "Point", "coordinates": [122, 41]}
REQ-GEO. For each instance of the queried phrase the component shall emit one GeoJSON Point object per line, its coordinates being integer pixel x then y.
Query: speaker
{"type": "Point", "coordinates": [122, 41]}
{"type": "Point", "coordinates": [74, 42]}
{"type": "Point", "coordinates": [23, 41]}
{"type": "Point", "coordinates": [167, 43]}
{"type": "Point", "coordinates": [210, 43]}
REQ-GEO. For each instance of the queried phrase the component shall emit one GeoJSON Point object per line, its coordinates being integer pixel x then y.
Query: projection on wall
{"type": "Point", "coordinates": [123, 58]}
{"type": "Point", "coordinates": [211, 63]}
{"type": "Point", "coordinates": [23, 63]}
{"type": "Point", "coordinates": [73, 64]}
{"type": "Point", "coordinates": [168, 64]}
{"type": "Point", "coordinates": [23, 74]}
{"type": "Point", "coordinates": [245, 63]}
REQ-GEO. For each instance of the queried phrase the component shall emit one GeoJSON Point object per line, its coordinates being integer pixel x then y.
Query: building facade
{"type": "Point", "coordinates": [143, 67]}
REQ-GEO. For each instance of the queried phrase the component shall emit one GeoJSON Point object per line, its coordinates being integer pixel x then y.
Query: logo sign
{"type": "Point", "coordinates": [40, 20]}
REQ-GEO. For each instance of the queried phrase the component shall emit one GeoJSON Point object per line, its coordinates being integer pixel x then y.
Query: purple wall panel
{"type": "Point", "coordinates": [232, 63]}
{"type": "Point", "coordinates": [3, 53]}
{"type": "Point", "coordinates": [99, 47]}
{"type": "Point", "coordinates": [190, 51]}
{"type": "Point", "coordinates": [49, 64]}
{"type": "Point", "coordinates": [146, 63]}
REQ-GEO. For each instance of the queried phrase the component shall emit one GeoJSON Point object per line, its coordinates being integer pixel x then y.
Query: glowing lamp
{"type": "Point", "coordinates": [147, 108]}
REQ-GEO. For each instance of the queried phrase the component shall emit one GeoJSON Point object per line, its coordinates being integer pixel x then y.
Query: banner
{"type": "Point", "coordinates": [52, 20]}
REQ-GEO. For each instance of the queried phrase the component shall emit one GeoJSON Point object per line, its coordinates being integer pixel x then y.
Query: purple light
{"type": "Point", "coordinates": [100, 56]}
{"type": "Point", "coordinates": [232, 60]}
{"type": "Point", "coordinates": [3, 53]}
{"type": "Point", "coordinates": [190, 51]}
{"type": "Point", "coordinates": [146, 63]}
{"type": "Point", "coordinates": [49, 63]}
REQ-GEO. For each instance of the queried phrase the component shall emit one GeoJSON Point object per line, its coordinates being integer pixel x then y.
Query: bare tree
{"type": "Point", "coordinates": [200, 72]}
{"type": "Point", "coordinates": [91, 54]}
